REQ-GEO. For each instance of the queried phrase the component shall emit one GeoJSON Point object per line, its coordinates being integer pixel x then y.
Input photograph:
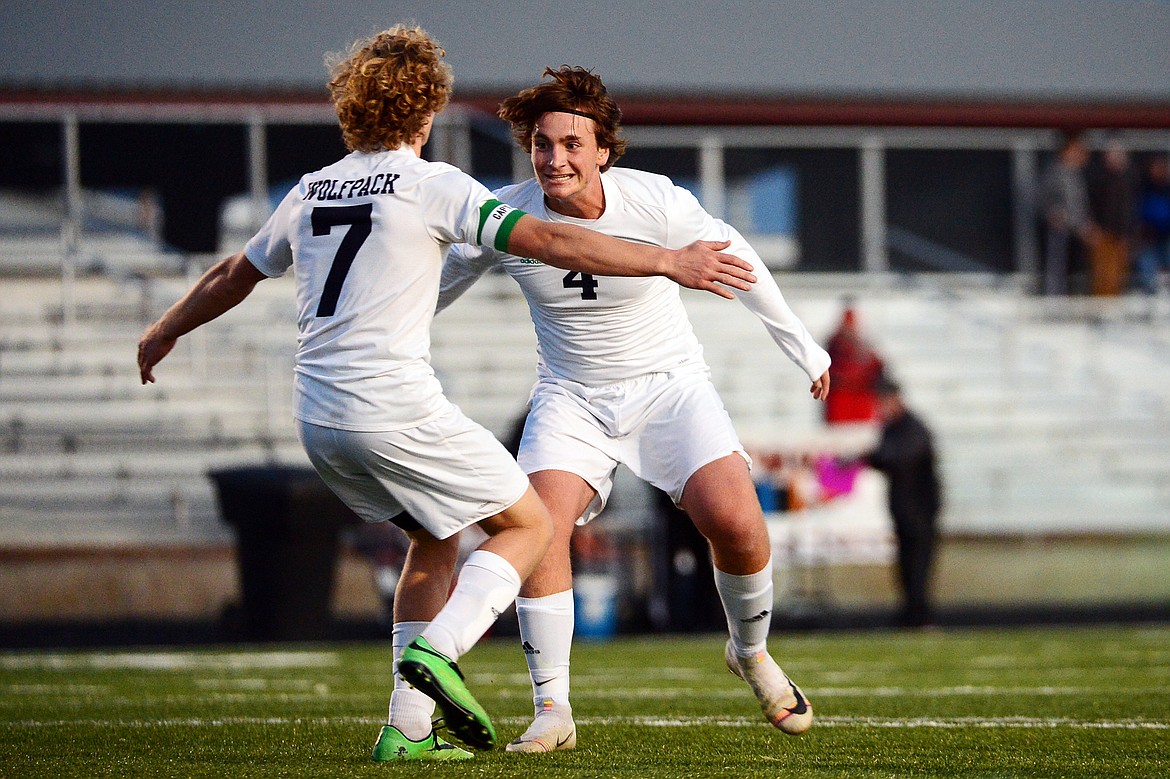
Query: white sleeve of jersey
{"type": "Point", "coordinates": [461, 210]}
{"type": "Point", "coordinates": [767, 302]}
{"type": "Point", "coordinates": [451, 201]}
{"type": "Point", "coordinates": [764, 299]}
{"type": "Point", "coordinates": [464, 266]}
{"type": "Point", "coordinates": [270, 249]}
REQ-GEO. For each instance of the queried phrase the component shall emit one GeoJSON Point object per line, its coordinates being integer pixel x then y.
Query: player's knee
{"type": "Point", "coordinates": [543, 528]}
{"type": "Point", "coordinates": [528, 515]}
{"type": "Point", "coordinates": [737, 537]}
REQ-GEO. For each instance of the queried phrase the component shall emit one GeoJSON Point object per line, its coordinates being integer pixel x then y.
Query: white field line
{"type": "Point", "coordinates": [301, 691]}
{"type": "Point", "coordinates": [949, 723]}
{"type": "Point", "coordinates": [635, 673]}
{"type": "Point", "coordinates": [169, 661]}
{"type": "Point", "coordinates": [499, 686]}
{"type": "Point", "coordinates": [892, 722]}
{"type": "Point", "coordinates": [857, 692]}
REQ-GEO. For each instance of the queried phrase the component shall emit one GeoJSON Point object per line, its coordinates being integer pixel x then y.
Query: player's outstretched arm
{"type": "Point", "coordinates": [223, 287]}
{"type": "Point", "coordinates": [701, 265]}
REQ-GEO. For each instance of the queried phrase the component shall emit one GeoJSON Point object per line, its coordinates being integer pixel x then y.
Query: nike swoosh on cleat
{"type": "Point", "coordinates": [801, 705]}
{"type": "Point", "coordinates": [442, 657]}
{"type": "Point", "coordinates": [559, 744]}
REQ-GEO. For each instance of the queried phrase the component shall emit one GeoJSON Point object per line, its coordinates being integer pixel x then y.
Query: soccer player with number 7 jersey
{"type": "Point", "coordinates": [621, 379]}
{"type": "Point", "coordinates": [365, 238]}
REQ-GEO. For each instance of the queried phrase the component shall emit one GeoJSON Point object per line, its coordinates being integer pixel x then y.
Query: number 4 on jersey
{"type": "Point", "coordinates": [586, 283]}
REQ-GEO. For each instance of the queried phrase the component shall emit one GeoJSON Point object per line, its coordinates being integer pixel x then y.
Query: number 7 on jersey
{"type": "Point", "coordinates": [324, 219]}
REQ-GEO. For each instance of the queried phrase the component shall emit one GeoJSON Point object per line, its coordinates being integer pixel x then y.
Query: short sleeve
{"type": "Point", "coordinates": [270, 250]}
{"type": "Point", "coordinates": [461, 210]}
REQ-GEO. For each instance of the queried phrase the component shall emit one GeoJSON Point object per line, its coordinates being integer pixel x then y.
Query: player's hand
{"type": "Point", "coordinates": [152, 347]}
{"type": "Point", "coordinates": [702, 265]}
{"type": "Point", "coordinates": [820, 387]}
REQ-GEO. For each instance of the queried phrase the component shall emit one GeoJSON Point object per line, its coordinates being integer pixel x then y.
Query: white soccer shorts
{"type": "Point", "coordinates": [663, 427]}
{"type": "Point", "coordinates": [447, 473]}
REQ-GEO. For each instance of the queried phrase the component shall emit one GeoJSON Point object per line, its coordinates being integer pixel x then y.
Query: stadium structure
{"type": "Point", "coordinates": [913, 200]}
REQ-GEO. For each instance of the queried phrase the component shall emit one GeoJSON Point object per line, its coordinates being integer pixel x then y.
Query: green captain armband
{"type": "Point", "coordinates": [496, 221]}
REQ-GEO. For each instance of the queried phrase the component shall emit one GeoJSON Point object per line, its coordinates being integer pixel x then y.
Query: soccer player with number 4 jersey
{"type": "Point", "coordinates": [365, 239]}
{"type": "Point", "coordinates": [621, 379]}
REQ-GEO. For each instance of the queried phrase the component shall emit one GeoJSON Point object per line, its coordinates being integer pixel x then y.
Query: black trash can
{"type": "Point", "coordinates": [288, 529]}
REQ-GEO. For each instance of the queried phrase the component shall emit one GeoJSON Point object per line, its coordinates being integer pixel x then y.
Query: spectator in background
{"type": "Point", "coordinates": [1153, 256]}
{"type": "Point", "coordinates": [856, 370]}
{"type": "Point", "coordinates": [1113, 194]}
{"type": "Point", "coordinates": [1066, 225]}
{"type": "Point", "coordinates": [905, 455]}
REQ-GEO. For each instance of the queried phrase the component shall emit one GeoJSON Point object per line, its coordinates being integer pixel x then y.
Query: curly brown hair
{"type": "Point", "coordinates": [572, 89]}
{"type": "Point", "coordinates": [385, 87]}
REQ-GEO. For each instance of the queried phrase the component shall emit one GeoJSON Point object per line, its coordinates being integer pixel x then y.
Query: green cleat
{"type": "Point", "coordinates": [439, 677]}
{"type": "Point", "coordinates": [392, 745]}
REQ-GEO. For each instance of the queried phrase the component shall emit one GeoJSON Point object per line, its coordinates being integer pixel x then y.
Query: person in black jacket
{"type": "Point", "coordinates": [905, 454]}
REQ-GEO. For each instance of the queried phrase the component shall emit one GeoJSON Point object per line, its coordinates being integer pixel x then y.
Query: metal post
{"type": "Point", "coordinates": [1025, 180]}
{"type": "Point", "coordinates": [258, 169]}
{"type": "Point", "coordinates": [461, 142]}
{"type": "Point", "coordinates": [521, 165]}
{"type": "Point", "coordinates": [74, 213]}
{"type": "Point", "coordinates": [712, 183]}
{"type": "Point", "coordinates": [438, 149]}
{"type": "Point", "coordinates": [874, 255]}
{"type": "Point", "coordinates": [446, 143]}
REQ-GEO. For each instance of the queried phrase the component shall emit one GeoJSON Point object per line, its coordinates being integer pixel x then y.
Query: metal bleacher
{"type": "Point", "coordinates": [1052, 416]}
{"type": "Point", "coordinates": [88, 454]}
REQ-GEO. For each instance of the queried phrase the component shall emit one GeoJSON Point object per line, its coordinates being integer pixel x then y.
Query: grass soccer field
{"type": "Point", "coordinates": [1026, 702]}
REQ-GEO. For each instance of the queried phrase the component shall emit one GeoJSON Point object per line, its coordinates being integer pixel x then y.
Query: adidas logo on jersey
{"type": "Point", "coordinates": [529, 649]}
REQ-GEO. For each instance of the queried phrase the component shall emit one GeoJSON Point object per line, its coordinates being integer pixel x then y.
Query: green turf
{"type": "Point", "coordinates": [1057, 702]}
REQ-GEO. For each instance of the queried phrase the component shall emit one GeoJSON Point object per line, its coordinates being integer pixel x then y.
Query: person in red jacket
{"type": "Point", "coordinates": [856, 371]}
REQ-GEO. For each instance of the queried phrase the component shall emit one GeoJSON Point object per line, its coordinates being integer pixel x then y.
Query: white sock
{"type": "Point", "coordinates": [410, 709]}
{"type": "Point", "coordinates": [747, 602]}
{"type": "Point", "coordinates": [487, 585]}
{"type": "Point", "coordinates": [546, 630]}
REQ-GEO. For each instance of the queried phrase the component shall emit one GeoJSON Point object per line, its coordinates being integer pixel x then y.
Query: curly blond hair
{"type": "Point", "coordinates": [385, 87]}
{"type": "Point", "coordinates": [572, 89]}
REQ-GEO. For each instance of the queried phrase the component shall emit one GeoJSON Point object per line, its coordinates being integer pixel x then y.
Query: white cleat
{"type": "Point", "coordinates": [552, 729]}
{"type": "Point", "coordinates": [782, 701]}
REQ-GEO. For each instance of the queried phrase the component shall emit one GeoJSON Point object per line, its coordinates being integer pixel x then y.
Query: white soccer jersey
{"type": "Point", "coordinates": [368, 235]}
{"type": "Point", "coordinates": [599, 330]}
